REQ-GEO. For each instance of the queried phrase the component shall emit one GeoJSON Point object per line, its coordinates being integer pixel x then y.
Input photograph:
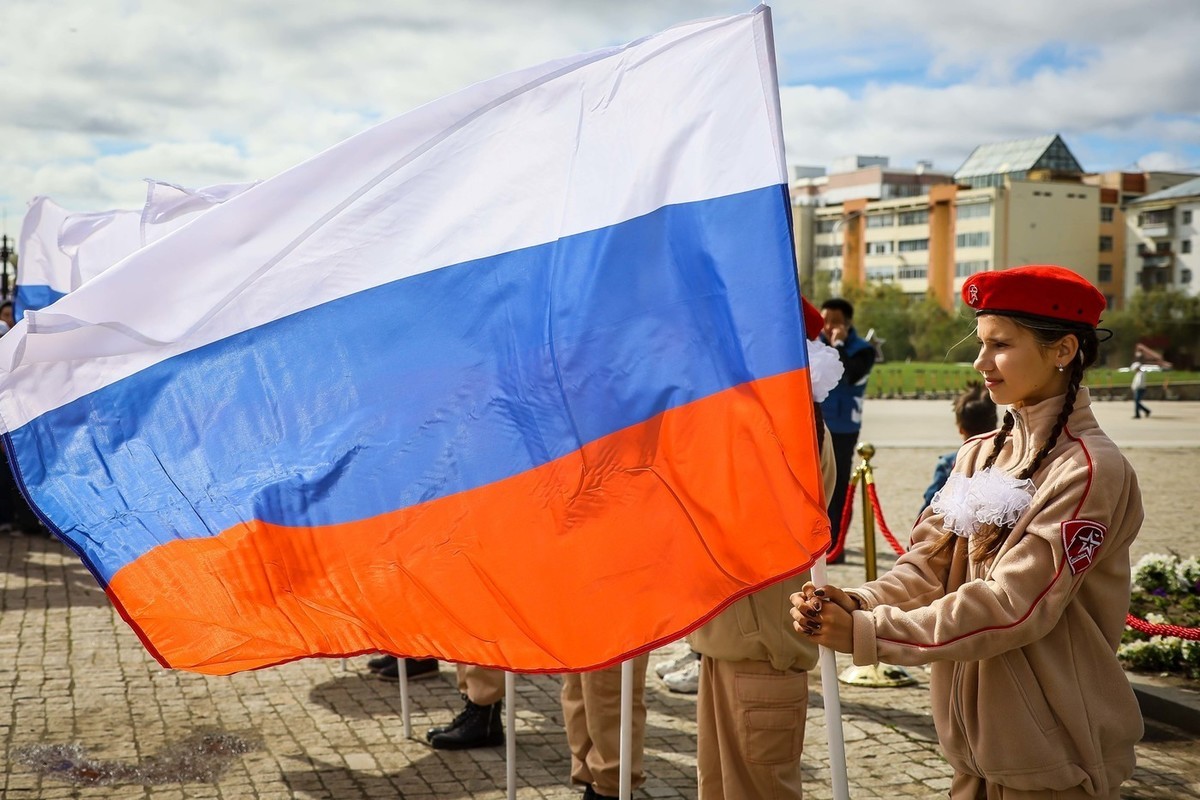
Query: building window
{"type": "Point", "coordinates": [977, 239]}
{"type": "Point", "coordinates": [827, 225]}
{"type": "Point", "coordinates": [1185, 246]}
{"type": "Point", "coordinates": [975, 210]}
{"type": "Point", "coordinates": [915, 217]}
{"type": "Point", "coordinates": [881, 274]}
{"type": "Point", "coordinates": [1187, 217]}
{"type": "Point", "coordinates": [964, 268]}
{"type": "Point", "coordinates": [912, 272]}
{"type": "Point", "coordinates": [1106, 213]}
{"type": "Point", "coordinates": [829, 251]}
{"type": "Point", "coordinates": [1106, 244]}
{"type": "Point", "coordinates": [1105, 273]}
{"type": "Point", "coordinates": [1109, 302]}
{"type": "Point", "coordinates": [881, 220]}
{"type": "Point", "coordinates": [913, 245]}
{"type": "Point", "coordinates": [879, 248]}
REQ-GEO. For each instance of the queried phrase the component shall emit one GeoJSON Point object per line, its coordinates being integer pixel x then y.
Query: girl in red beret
{"type": "Point", "coordinates": [1016, 583]}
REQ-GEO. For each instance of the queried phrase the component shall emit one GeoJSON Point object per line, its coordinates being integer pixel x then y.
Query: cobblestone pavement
{"type": "Point", "coordinates": [91, 715]}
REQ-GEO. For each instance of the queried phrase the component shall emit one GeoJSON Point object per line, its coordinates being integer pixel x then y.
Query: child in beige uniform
{"type": "Point", "coordinates": [1016, 583]}
{"type": "Point", "coordinates": [753, 693]}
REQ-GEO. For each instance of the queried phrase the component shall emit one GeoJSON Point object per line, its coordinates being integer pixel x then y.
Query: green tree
{"type": "Point", "coordinates": [884, 307]}
{"type": "Point", "coordinates": [1166, 319]}
{"type": "Point", "coordinates": [938, 335]}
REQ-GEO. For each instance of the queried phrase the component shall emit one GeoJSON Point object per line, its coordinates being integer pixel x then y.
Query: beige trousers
{"type": "Point", "coordinates": [969, 787]}
{"type": "Point", "coordinates": [591, 703]}
{"type": "Point", "coordinates": [481, 685]}
{"type": "Point", "coordinates": [749, 730]}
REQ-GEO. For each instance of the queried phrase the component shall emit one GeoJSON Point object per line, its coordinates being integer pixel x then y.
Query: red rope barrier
{"type": "Point", "coordinates": [1151, 629]}
{"type": "Point", "coordinates": [1148, 628]}
{"type": "Point", "coordinates": [883, 528]}
{"type": "Point", "coordinates": [836, 548]}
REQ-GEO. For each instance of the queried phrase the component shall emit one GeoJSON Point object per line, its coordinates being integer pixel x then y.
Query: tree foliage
{"type": "Point", "coordinates": [921, 330]}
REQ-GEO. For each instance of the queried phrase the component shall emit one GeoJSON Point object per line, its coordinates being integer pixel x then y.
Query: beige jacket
{"type": "Point", "coordinates": [1027, 691]}
{"type": "Point", "coordinates": [759, 627]}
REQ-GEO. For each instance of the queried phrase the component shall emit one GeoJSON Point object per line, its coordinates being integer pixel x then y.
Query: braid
{"type": "Point", "coordinates": [1001, 438]}
{"type": "Point", "coordinates": [1060, 423]}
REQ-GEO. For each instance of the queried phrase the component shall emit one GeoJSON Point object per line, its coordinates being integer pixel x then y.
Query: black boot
{"type": "Point", "coordinates": [591, 794]}
{"type": "Point", "coordinates": [414, 669]}
{"type": "Point", "coordinates": [454, 723]}
{"type": "Point", "coordinates": [380, 663]}
{"type": "Point", "coordinates": [480, 726]}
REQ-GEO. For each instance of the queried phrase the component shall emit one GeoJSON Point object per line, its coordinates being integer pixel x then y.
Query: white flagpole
{"type": "Point", "coordinates": [405, 707]}
{"type": "Point", "coordinates": [510, 740]}
{"type": "Point", "coordinates": [626, 771]}
{"type": "Point", "coordinates": [833, 706]}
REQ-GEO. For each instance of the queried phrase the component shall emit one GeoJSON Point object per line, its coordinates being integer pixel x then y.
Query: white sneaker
{"type": "Point", "coordinates": [686, 680]}
{"type": "Point", "coordinates": [665, 668]}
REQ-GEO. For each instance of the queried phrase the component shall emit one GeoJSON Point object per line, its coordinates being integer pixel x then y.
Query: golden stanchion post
{"type": "Point", "coordinates": [876, 675]}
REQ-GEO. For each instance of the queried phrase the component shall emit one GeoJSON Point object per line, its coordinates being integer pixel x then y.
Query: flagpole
{"type": "Point", "coordinates": [510, 741]}
{"type": "Point", "coordinates": [626, 774]}
{"type": "Point", "coordinates": [833, 706]}
{"type": "Point", "coordinates": [405, 706]}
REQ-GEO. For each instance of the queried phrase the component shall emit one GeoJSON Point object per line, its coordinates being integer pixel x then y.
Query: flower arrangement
{"type": "Point", "coordinates": [1166, 590]}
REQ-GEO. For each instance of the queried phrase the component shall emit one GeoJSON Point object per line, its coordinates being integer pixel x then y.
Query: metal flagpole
{"type": "Point", "coordinates": [626, 772]}
{"type": "Point", "coordinates": [405, 707]}
{"type": "Point", "coordinates": [510, 741]}
{"type": "Point", "coordinates": [833, 706]}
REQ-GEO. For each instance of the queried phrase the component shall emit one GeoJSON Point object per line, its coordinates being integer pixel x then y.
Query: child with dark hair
{"type": "Point", "coordinates": [1016, 582]}
{"type": "Point", "coordinates": [975, 415]}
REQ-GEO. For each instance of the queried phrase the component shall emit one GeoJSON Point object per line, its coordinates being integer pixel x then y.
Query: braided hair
{"type": "Point", "coordinates": [987, 540]}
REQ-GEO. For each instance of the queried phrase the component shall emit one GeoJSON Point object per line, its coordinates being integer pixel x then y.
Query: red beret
{"type": "Point", "coordinates": [813, 321]}
{"type": "Point", "coordinates": [1039, 290]}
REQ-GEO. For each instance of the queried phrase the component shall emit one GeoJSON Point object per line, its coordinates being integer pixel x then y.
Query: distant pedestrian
{"type": "Point", "coordinates": [1139, 389]}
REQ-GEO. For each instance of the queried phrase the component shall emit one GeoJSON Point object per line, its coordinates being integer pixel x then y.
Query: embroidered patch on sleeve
{"type": "Point", "coordinates": [1081, 539]}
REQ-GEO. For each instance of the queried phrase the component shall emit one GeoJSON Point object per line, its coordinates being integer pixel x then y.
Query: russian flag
{"type": "Point", "coordinates": [517, 379]}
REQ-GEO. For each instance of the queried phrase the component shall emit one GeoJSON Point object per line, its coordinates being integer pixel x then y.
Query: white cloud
{"type": "Point", "coordinates": [101, 93]}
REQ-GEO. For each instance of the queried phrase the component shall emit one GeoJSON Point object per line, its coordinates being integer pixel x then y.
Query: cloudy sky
{"type": "Point", "coordinates": [97, 94]}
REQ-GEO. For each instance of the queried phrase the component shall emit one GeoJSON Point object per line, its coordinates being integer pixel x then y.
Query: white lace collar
{"type": "Point", "coordinates": [989, 497]}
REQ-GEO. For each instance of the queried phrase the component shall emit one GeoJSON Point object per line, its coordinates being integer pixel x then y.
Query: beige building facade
{"type": "Point", "coordinates": [1011, 203]}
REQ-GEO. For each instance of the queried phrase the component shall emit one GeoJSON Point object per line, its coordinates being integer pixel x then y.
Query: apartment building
{"type": "Point", "coordinates": [1117, 271]}
{"type": "Point", "coordinates": [1010, 203]}
{"type": "Point", "coordinates": [1163, 233]}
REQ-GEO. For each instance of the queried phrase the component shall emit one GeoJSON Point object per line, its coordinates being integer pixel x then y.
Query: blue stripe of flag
{"type": "Point", "coordinates": [461, 377]}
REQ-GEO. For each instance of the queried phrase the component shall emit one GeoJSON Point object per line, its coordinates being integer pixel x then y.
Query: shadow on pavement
{"type": "Point", "coordinates": [451, 775]}
{"type": "Point", "coordinates": [70, 585]}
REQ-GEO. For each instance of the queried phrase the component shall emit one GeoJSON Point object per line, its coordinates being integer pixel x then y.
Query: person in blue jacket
{"type": "Point", "coordinates": [843, 408]}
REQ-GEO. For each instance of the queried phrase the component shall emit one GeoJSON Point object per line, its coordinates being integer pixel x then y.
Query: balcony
{"type": "Point", "coordinates": [1154, 278]}
{"type": "Point", "coordinates": [1156, 260]}
{"type": "Point", "coordinates": [1156, 230]}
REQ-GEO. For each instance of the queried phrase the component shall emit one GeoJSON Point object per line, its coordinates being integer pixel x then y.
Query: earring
{"type": "Point", "coordinates": [1060, 367]}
